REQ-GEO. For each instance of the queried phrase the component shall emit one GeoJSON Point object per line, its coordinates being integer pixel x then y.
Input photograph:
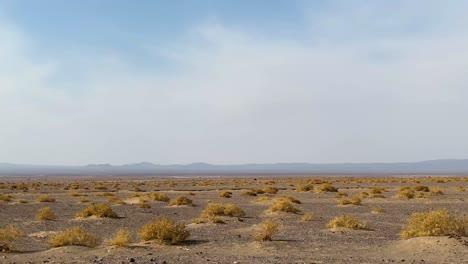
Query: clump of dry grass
{"type": "Point", "coordinates": [290, 198]}
{"type": "Point", "coordinates": [354, 201]}
{"type": "Point", "coordinates": [341, 195]}
{"type": "Point", "coordinates": [283, 206]}
{"type": "Point", "coordinates": [249, 193]}
{"type": "Point", "coordinates": [458, 189]}
{"type": "Point", "coordinates": [270, 190]}
{"type": "Point", "coordinates": [74, 236]}
{"type": "Point", "coordinates": [435, 223]}
{"type": "Point", "coordinates": [406, 193]}
{"type": "Point", "coordinates": [436, 191]}
{"type": "Point", "coordinates": [115, 199]}
{"type": "Point", "coordinates": [268, 229]}
{"type": "Point", "coordinates": [225, 194]}
{"type": "Point", "coordinates": [362, 195]}
{"type": "Point", "coordinates": [181, 200]}
{"type": "Point", "coordinates": [121, 239]}
{"type": "Point", "coordinates": [376, 190]}
{"type": "Point", "coordinates": [46, 198]}
{"type": "Point", "coordinates": [164, 230]}
{"type": "Point", "coordinates": [5, 197]}
{"type": "Point", "coordinates": [45, 214]}
{"type": "Point", "coordinates": [346, 221]}
{"type": "Point", "coordinates": [305, 188]}
{"type": "Point", "coordinates": [377, 210]}
{"type": "Point", "coordinates": [159, 196]}
{"type": "Point", "coordinates": [217, 209]}
{"type": "Point", "coordinates": [8, 235]}
{"type": "Point", "coordinates": [326, 187]}
{"type": "Point", "coordinates": [98, 210]}
{"type": "Point", "coordinates": [308, 216]}
{"type": "Point", "coordinates": [420, 188]}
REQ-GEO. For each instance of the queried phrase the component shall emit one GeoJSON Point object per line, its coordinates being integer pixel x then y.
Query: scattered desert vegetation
{"type": "Point", "coordinates": [8, 235]}
{"type": "Point", "coordinates": [181, 200]}
{"type": "Point", "coordinates": [164, 230]}
{"type": "Point", "coordinates": [45, 214]}
{"type": "Point", "coordinates": [354, 201]}
{"type": "Point", "coordinates": [121, 239]}
{"type": "Point", "coordinates": [74, 236]}
{"type": "Point", "coordinates": [284, 206]}
{"type": "Point", "coordinates": [435, 223]}
{"type": "Point", "coordinates": [267, 230]}
{"type": "Point", "coordinates": [159, 196]}
{"type": "Point", "coordinates": [309, 216]}
{"type": "Point", "coordinates": [46, 199]}
{"type": "Point", "coordinates": [346, 221]}
{"type": "Point", "coordinates": [98, 210]}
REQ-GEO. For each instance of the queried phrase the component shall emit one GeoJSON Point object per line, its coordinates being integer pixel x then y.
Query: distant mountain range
{"type": "Point", "coordinates": [436, 167]}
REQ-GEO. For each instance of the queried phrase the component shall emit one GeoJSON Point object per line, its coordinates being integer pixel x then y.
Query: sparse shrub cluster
{"type": "Point", "coordinates": [46, 198]}
{"type": "Point", "coordinates": [225, 194]}
{"type": "Point", "coordinates": [268, 229]}
{"type": "Point", "coordinates": [181, 200]}
{"type": "Point", "coordinates": [164, 230]}
{"type": "Point", "coordinates": [98, 210]}
{"type": "Point", "coordinates": [346, 221]}
{"type": "Point", "coordinates": [435, 223]}
{"type": "Point", "coordinates": [74, 236]}
{"type": "Point", "coordinates": [284, 206]}
{"type": "Point", "coordinates": [121, 239]}
{"type": "Point", "coordinates": [45, 214]}
{"type": "Point", "coordinates": [8, 235]}
{"type": "Point", "coordinates": [326, 187]}
{"type": "Point", "coordinates": [354, 201]}
{"type": "Point", "coordinates": [159, 196]}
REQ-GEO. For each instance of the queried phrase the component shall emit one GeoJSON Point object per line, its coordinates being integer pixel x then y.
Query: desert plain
{"type": "Point", "coordinates": [299, 209]}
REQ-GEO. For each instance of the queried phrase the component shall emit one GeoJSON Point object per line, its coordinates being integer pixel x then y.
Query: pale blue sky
{"type": "Point", "coordinates": [232, 81]}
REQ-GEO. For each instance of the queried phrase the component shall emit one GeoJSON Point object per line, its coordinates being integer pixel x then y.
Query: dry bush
{"type": "Point", "coordinates": [458, 189]}
{"type": "Point", "coordinates": [283, 206]}
{"type": "Point", "coordinates": [5, 197]}
{"type": "Point", "coordinates": [377, 210]}
{"type": "Point", "coordinates": [436, 191]}
{"type": "Point", "coordinates": [8, 235]}
{"type": "Point", "coordinates": [116, 200]}
{"type": "Point", "coordinates": [74, 236]}
{"type": "Point", "coordinates": [98, 210]}
{"type": "Point", "coordinates": [225, 194]}
{"type": "Point", "coordinates": [308, 216]}
{"type": "Point", "coordinates": [121, 239]}
{"type": "Point", "coordinates": [159, 196]}
{"type": "Point", "coordinates": [406, 193]}
{"type": "Point", "coordinates": [377, 195]}
{"type": "Point", "coordinates": [45, 214]}
{"type": "Point", "coordinates": [376, 190]}
{"type": "Point", "coordinates": [326, 187]}
{"type": "Point", "coordinates": [420, 188]}
{"type": "Point", "coordinates": [181, 200]}
{"type": "Point", "coordinates": [46, 198]}
{"type": "Point", "coordinates": [354, 201]}
{"type": "Point", "coordinates": [164, 230]}
{"type": "Point", "coordinates": [268, 229]}
{"type": "Point", "coordinates": [84, 200]}
{"type": "Point", "coordinates": [144, 205]}
{"type": "Point", "coordinates": [362, 195]}
{"type": "Point", "coordinates": [346, 221]}
{"type": "Point", "coordinates": [305, 188]}
{"type": "Point", "coordinates": [216, 209]}
{"type": "Point", "coordinates": [290, 198]}
{"type": "Point", "coordinates": [317, 181]}
{"type": "Point", "coordinates": [23, 201]}
{"type": "Point", "coordinates": [341, 194]}
{"type": "Point", "coordinates": [435, 223]}
{"type": "Point", "coordinates": [270, 190]}
{"type": "Point", "coordinates": [249, 193]}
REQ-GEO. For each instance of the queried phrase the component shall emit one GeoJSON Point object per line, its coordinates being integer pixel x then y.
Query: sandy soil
{"type": "Point", "coordinates": [232, 242]}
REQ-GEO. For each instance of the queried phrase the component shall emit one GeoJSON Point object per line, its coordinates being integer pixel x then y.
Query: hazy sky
{"type": "Point", "coordinates": [232, 81]}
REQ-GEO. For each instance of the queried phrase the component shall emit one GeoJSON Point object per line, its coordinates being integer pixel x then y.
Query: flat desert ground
{"type": "Point", "coordinates": [302, 237]}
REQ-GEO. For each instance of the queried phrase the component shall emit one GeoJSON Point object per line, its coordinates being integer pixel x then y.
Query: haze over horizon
{"type": "Point", "coordinates": [232, 82]}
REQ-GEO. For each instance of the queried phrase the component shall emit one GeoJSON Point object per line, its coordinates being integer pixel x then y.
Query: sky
{"type": "Point", "coordinates": [229, 82]}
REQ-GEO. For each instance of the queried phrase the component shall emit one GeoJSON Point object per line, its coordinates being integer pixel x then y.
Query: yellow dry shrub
{"type": "Point", "coordinates": [283, 206]}
{"type": "Point", "coordinates": [346, 221]}
{"type": "Point", "coordinates": [164, 230]}
{"type": "Point", "coordinates": [121, 239]}
{"type": "Point", "coordinates": [181, 200]}
{"type": "Point", "coordinates": [98, 210]}
{"type": "Point", "coordinates": [46, 199]}
{"type": "Point", "coordinates": [268, 229]}
{"type": "Point", "coordinates": [8, 235]}
{"type": "Point", "coordinates": [74, 236]}
{"type": "Point", "coordinates": [45, 214]}
{"type": "Point", "coordinates": [435, 223]}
